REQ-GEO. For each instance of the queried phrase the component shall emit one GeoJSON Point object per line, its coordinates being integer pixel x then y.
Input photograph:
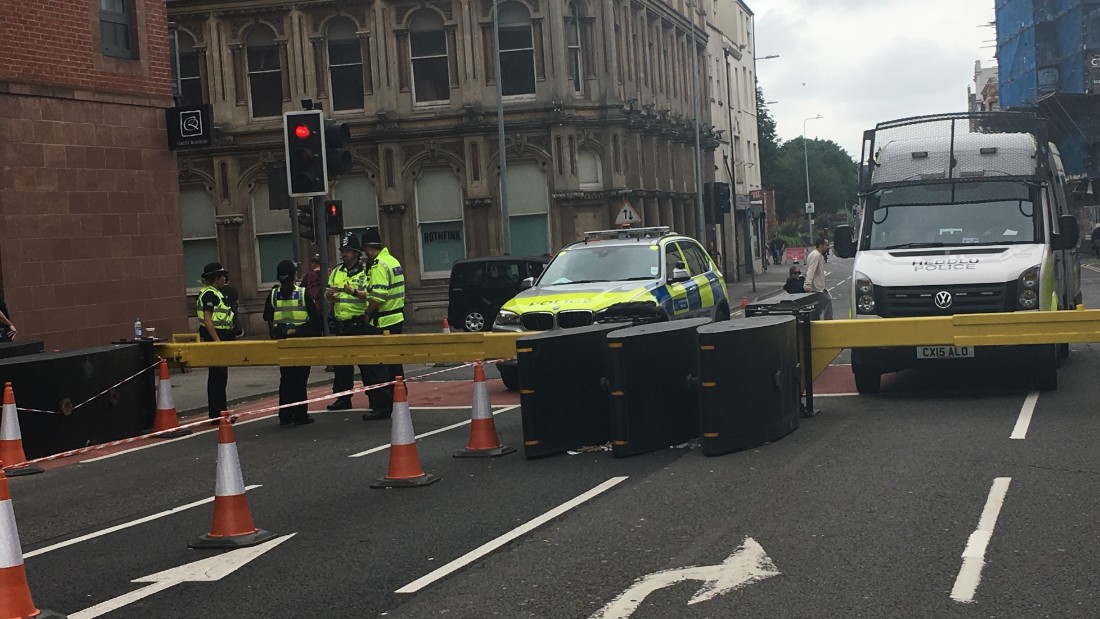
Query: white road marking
{"type": "Point", "coordinates": [125, 525]}
{"type": "Point", "coordinates": [420, 436]}
{"type": "Point", "coordinates": [486, 548]}
{"type": "Point", "coordinates": [970, 574]}
{"type": "Point", "coordinates": [1024, 420]}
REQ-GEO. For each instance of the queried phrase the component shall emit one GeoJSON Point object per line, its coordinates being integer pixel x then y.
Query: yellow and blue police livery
{"type": "Point", "coordinates": [629, 275]}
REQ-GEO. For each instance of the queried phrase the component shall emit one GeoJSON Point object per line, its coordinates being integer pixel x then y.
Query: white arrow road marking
{"type": "Point", "coordinates": [748, 564]}
{"type": "Point", "coordinates": [206, 570]}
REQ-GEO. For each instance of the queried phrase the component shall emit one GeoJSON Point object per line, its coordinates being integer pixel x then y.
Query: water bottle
{"type": "Point", "coordinates": [137, 329]}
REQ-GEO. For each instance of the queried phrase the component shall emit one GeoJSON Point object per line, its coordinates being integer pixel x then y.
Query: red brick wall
{"type": "Point", "coordinates": [90, 233]}
{"type": "Point", "coordinates": [57, 42]}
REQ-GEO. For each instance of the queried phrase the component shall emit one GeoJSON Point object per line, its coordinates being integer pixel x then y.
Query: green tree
{"type": "Point", "coordinates": [833, 178]}
{"type": "Point", "coordinates": [768, 141]}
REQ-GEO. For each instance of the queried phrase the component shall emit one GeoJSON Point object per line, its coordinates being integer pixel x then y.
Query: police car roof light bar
{"type": "Point", "coordinates": [626, 233]}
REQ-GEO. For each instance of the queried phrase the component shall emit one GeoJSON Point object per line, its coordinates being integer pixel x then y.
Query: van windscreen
{"type": "Point", "coordinates": [944, 214]}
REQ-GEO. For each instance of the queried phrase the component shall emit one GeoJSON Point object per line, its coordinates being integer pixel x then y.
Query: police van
{"type": "Point", "coordinates": [961, 213]}
{"type": "Point", "coordinates": [630, 275]}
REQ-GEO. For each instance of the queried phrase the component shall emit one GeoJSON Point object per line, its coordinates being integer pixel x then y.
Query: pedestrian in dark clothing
{"type": "Point", "coordinates": [796, 284]}
{"type": "Point", "coordinates": [289, 313]}
{"type": "Point", "coordinates": [7, 327]}
{"type": "Point", "coordinates": [1095, 238]}
{"type": "Point", "coordinates": [216, 325]}
{"type": "Point", "coordinates": [314, 283]}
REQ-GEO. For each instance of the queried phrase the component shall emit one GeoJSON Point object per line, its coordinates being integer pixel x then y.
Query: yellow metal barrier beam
{"type": "Point", "coordinates": [344, 350]}
{"type": "Point", "coordinates": [829, 337]}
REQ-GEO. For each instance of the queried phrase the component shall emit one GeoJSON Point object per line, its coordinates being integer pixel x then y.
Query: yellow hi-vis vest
{"type": "Point", "coordinates": [386, 287]}
{"type": "Point", "coordinates": [290, 314]}
{"type": "Point", "coordinates": [222, 316]}
{"type": "Point", "coordinates": [344, 305]}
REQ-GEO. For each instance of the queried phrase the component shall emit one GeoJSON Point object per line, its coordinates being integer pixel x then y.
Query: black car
{"type": "Point", "coordinates": [479, 286]}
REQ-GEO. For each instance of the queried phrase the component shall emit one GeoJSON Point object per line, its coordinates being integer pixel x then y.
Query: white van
{"type": "Point", "coordinates": [961, 213]}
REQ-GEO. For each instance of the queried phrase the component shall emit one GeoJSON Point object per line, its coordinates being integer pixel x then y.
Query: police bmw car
{"type": "Point", "coordinates": [628, 275]}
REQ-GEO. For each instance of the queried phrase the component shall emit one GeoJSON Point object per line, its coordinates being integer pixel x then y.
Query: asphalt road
{"type": "Point", "coordinates": [866, 511]}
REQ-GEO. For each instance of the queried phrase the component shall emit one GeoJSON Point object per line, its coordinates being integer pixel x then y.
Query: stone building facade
{"type": "Point", "coordinates": [88, 188]}
{"type": "Point", "coordinates": [598, 110]}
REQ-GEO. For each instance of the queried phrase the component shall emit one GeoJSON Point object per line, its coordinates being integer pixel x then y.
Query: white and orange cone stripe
{"type": "Point", "coordinates": [404, 469]}
{"type": "Point", "coordinates": [232, 526]}
{"type": "Point", "coordinates": [166, 418]}
{"type": "Point", "coordinates": [15, 594]}
{"type": "Point", "coordinates": [484, 441]}
{"type": "Point", "coordinates": [11, 439]}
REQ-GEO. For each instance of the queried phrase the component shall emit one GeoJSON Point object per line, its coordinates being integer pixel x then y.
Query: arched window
{"type": "Point", "coordinates": [439, 201]}
{"type": "Point", "coordinates": [190, 71]}
{"type": "Point", "coordinates": [528, 209]}
{"type": "Point", "coordinates": [360, 202]}
{"type": "Point", "coordinates": [265, 78]}
{"type": "Point", "coordinates": [345, 65]}
{"type": "Point", "coordinates": [573, 43]}
{"type": "Point", "coordinates": [200, 233]}
{"type": "Point", "coordinates": [517, 50]}
{"type": "Point", "coordinates": [428, 50]}
{"type": "Point", "coordinates": [589, 171]}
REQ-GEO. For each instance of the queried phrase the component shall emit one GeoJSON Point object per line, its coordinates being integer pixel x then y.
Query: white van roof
{"type": "Point", "coordinates": [977, 155]}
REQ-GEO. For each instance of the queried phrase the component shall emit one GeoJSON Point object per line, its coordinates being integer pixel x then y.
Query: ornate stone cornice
{"type": "Point", "coordinates": [396, 208]}
{"type": "Point", "coordinates": [478, 202]}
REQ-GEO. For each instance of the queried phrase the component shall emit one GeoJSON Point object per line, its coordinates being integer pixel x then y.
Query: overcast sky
{"type": "Point", "coordinates": [859, 62]}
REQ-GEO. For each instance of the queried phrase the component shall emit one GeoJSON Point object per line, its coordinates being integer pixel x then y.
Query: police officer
{"type": "Point", "coordinates": [385, 313]}
{"type": "Point", "coordinates": [290, 313]}
{"type": "Point", "coordinates": [215, 325]}
{"type": "Point", "coordinates": [347, 291]}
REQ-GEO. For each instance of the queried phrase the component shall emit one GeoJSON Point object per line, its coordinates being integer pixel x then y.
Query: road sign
{"type": "Point", "coordinates": [809, 208]}
{"type": "Point", "coordinates": [627, 215]}
{"type": "Point", "coordinates": [748, 564]}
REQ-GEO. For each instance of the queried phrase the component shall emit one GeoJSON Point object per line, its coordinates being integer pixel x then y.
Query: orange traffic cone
{"type": "Point", "coordinates": [484, 442]}
{"type": "Point", "coordinates": [446, 325]}
{"type": "Point", "coordinates": [404, 471]}
{"type": "Point", "coordinates": [232, 527]}
{"type": "Point", "coordinates": [166, 407]}
{"type": "Point", "coordinates": [15, 595]}
{"type": "Point", "coordinates": [744, 304]}
{"type": "Point", "coordinates": [11, 440]}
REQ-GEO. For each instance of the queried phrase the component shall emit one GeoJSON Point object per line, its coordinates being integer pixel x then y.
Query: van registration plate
{"type": "Point", "coordinates": [945, 352]}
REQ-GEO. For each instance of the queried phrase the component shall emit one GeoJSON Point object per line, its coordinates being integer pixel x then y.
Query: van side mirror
{"type": "Point", "coordinates": [1068, 233]}
{"type": "Point", "coordinates": [526, 283]}
{"type": "Point", "coordinates": [844, 245]}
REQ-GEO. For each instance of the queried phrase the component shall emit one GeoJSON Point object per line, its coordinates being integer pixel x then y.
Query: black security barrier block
{"type": "Point", "coordinates": [784, 303]}
{"type": "Point", "coordinates": [654, 400]}
{"type": "Point", "coordinates": [748, 382]}
{"type": "Point", "coordinates": [20, 348]}
{"type": "Point", "coordinates": [58, 382]}
{"type": "Point", "coordinates": [563, 389]}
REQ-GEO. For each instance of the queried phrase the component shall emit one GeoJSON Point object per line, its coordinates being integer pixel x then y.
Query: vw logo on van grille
{"type": "Point", "coordinates": [943, 299]}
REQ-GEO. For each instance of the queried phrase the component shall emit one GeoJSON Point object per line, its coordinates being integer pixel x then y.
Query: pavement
{"type": "Point", "coordinates": [247, 384]}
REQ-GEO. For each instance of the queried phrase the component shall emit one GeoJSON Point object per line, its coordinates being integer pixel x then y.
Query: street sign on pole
{"type": "Point", "coordinates": [809, 208]}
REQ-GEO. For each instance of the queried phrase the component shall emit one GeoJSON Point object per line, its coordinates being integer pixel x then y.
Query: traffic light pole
{"type": "Point", "coordinates": [295, 231]}
{"type": "Point", "coordinates": [321, 236]}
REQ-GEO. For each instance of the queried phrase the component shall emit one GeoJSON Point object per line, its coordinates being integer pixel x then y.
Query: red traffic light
{"type": "Point", "coordinates": [302, 132]}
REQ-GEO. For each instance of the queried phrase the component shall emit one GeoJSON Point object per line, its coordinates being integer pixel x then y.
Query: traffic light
{"type": "Point", "coordinates": [334, 217]}
{"type": "Point", "coordinates": [337, 155]}
{"type": "Point", "coordinates": [305, 222]}
{"type": "Point", "coordinates": [721, 199]}
{"type": "Point", "coordinates": [304, 137]}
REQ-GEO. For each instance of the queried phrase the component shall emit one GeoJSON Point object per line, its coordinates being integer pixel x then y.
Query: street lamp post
{"type": "Point", "coordinates": [506, 232]}
{"type": "Point", "coordinates": [806, 161]}
{"type": "Point", "coordinates": [700, 229]}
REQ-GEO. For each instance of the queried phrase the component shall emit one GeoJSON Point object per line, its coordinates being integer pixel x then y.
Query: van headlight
{"type": "Point", "coordinates": [507, 319]}
{"type": "Point", "coordinates": [865, 294]}
{"type": "Point", "coordinates": [1027, 289]}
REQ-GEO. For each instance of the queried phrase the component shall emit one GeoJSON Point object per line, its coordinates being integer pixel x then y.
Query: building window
{"type": "Point", "coordinates": [428, 50]}
{"type": "Point", "coordinates": [360, 202]}
{"type": "Point", "coordinates": [189, 78]}
{"type": "Point", "coordinates": [589, 171]}
{"type": "Point", "coordinates": [345, 66]}
{"type": "Point", "coordinates": [116, 28]}
{"type": "Point", "coordinates": [439, 217]}
{"type": "Point", "coordinates": [528, 208]}
{"type": "Point", "coordinates": [200, 234]}
{"type": "Point", "coordinates": [517, 50]}
{"type": "Point", "coordinates": [573, 42]}
{"type": "Point", "coordinates": [274, 240]}
{"type": "Point", "coordinates": [265, 78]}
